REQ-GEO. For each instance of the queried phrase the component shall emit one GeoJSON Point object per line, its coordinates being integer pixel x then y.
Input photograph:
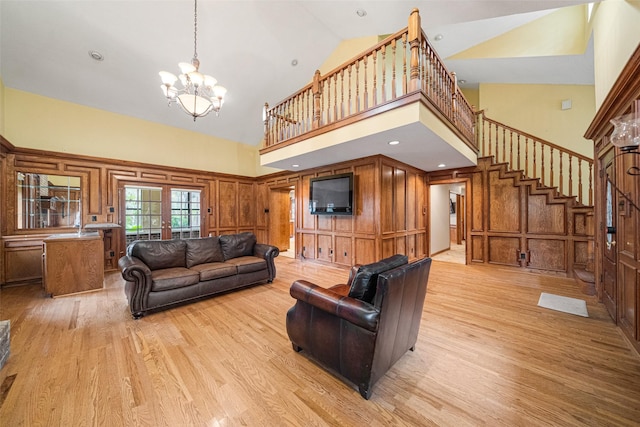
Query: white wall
{"type": "Point", "coordinates": [439, 210]}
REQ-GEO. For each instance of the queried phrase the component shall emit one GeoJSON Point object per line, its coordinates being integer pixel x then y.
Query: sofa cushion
{"type": "Point", "coordinates": [173, 278]}
{"type": "Point", "coordinates": [248, 264]}
{"type": "Point", "coordinates": [363, 286]}
{"type": "Point", "coordinates": [237, 245]}
{"type": "Point", "coordinates": [202, 251]}
{"type": "Point", "coordinates": [158, 254]}
{"type": "Point", "coordinates": [215, 270]}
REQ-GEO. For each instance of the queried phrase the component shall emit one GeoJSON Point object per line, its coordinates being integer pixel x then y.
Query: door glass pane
{"type": "Point", "coordinates": [185, 214]}
{"type": "Point", "coordinates": [609, 211]}
{"type": "Point", "coordinates": [143, 213]}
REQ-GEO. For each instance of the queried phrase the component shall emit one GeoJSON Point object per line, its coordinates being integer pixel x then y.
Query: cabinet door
{"type": "Point", "coordinates": [308, 246]}
{"type": "Point", "coordinates": [325, 249]}
{"type": "Point", "coordinates": [343, 251]}
{"type": "Point", "coordinates": [23, 261]}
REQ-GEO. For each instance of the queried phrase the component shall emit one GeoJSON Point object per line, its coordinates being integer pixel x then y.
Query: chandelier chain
{"type": "Point", "coordinates": [195, 29]}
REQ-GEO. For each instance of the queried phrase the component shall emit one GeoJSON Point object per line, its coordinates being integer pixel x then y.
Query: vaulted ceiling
{"type": "Point", "coordinates": [249, 47]}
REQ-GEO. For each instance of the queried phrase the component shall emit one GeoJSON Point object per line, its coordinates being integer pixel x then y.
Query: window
{"type": "Point", "coordinates": [185, 214]}
{"type": "Point", "coordinates": [143, 213]}
{"type": "Point", "coordinates": [156, 213]}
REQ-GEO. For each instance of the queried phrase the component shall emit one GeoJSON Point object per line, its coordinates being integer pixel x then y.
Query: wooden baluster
{"type": "Point", "coordinates": [366, 83]}
{"type": "Point", "coordinates": [534, 160]}
{"type": "Point", "coordinates": [349, 86]}
{"type": "Point", "coordinates": [542, 178]}
{"type": "Point", "coordinates": [375, 77]}
{"type": "Point", "coordinates": [335, 97]}
{"type": "Point", "coordinates": [570, 175]}
{"type": "Point", "coordinates": [404, 64]}
{"type": "Point", "coordinates": [504, 138]}
{"type": "Point", "coordinates": [518, 142]}
{"type": "Point", "coordinates": [309, 114]}
{"type": "Point", "coordinates": [316, 99]}
{"type": "Point", "coordinates": [579, 179]}
{"type": "Point", "coordinates": [490, 141]}
{"type": "Point", "coordinates": [342, 93]}
{"type": "Point", "coordinates": [393, 69]}
{"type": "Point", "coordinates": [357, 86]}
{"type": "Point", "coordinates": [551, 166]}
{"type": "Point", "coordinates": [590, 184]}
{"type": "Point", "coordinates": [511, 149]}
{"type": "Point", "coordinates": [526, 156]}
{"type": "Point", "coordinates": [328, 97]}
{"type": "Point", "coordinates": [415, 36]}
{"type": "Point", "coordinates": [561, 155]}
{"type": "Point", "coordinates": [384, 73]}
{"type": "Point", "coordinates": [453, 97]}
{"type": "Point", "coordinates": [283, 121]}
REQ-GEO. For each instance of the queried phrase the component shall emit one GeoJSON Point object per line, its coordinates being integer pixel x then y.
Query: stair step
{"type": "Point", "coordinates": [586, 280]}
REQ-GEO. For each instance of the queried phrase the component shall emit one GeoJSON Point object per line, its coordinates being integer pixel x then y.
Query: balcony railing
{"type": "Point", "coordinates": [402, 69]}
{"type": "Point", "coordinates": [553, 165]}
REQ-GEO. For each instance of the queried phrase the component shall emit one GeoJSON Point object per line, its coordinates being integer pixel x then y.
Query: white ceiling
{"type": "Point", "coordinates": [247, 45]}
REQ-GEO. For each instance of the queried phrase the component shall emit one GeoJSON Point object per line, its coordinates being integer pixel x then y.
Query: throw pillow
{"type": "Point", "coordinates": [363, 286]}
{"type": "Point", "coordinates": [237, 245]}
{"type": "Point", "coordinates": [203, 250]}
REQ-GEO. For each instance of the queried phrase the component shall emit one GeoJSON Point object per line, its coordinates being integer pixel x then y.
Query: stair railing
{"type": "Point", "coordinates": [397, 71]}
{"type": "Point", "coordinates": [553, 165]}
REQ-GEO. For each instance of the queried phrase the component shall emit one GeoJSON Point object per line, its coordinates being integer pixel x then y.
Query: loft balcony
{"type": "Point", "coordinates": [399, 90]}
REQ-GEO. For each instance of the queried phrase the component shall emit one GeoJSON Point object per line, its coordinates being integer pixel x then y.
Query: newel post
{"type": "Point", "coordinates": [265, 119]}
{"type": "Point", "coordinates": [415, 39]}
{"type": "Point", "coordinates": [316, 88]}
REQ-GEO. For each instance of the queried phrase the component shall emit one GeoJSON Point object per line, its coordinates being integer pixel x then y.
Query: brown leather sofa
{"type": "Point", "coordinates": [361, 329]}
{"type": "Point", "coordinates": [162, 273]}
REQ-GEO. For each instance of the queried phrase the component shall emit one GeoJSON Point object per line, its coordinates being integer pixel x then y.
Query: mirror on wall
{"type": "Point", "coordinates": [47, 201]}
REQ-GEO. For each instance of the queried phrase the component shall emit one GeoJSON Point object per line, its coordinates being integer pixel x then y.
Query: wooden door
{"type": "Point", "coordinates": [460, 215]}
{"type": "Point", "coordinates": [609, 229]}
{"type": "Point", "coordinates": [279, 217]}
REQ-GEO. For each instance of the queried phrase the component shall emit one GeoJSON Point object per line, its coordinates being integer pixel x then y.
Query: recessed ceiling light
{"type": "Point", "coordinates": [394, 142]}
{"type": "Point", "coordinates": [361, 13]}
{"type": "Point", "coordinates": [462, 81]}
{"type": "Point", "coordinates": [294, 62]}
{"type": "Point", "coordinates": [438, 37]}
{"type": "Point", "coordinates": [295, 166]}
{"type": "Point", "coordinates": [442, 165]}
{"type": "Point", "coordinates": [96, 55]}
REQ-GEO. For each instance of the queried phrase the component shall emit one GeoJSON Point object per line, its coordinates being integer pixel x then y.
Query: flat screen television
{"type": "Point", "coordinates": [331, 195]}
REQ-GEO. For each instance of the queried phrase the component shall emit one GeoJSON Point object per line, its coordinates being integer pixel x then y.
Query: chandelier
{"type": "Point", "coordinates": [200, 93]}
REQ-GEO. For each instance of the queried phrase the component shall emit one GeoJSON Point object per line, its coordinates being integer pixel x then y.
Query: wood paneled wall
{"type": "Point", "coordinates": [617, 248]}
{"type": "Point", "coordinates": [389, 214]}
{"type": "Point", "coordinates": [514, 223]}
{"type": "Point", "coordinates": [390, 206]}
{"type": "Point", "coordinates": [229, 203]}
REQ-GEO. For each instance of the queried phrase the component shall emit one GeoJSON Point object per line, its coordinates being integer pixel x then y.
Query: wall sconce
{"type": "Point", "coordinates": [626, 136]}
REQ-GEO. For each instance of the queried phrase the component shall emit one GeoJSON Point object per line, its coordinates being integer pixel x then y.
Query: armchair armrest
{"type": "Point", "coordinates": [352, 273]}
{"type": "Point", "coordinates": [358, 312]}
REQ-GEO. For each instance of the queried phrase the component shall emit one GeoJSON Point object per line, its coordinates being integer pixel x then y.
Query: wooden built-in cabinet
{"type": "Point", "coordinates": [22, 258]}
{"type": "Point", "coordinates": [73, 263]}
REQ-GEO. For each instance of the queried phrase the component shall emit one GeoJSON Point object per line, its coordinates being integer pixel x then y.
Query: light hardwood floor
{"type": "Point", "coordinates": [486, 355]}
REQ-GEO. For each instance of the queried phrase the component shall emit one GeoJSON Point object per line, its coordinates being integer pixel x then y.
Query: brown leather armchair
{"type": "Point", "coordinates": [359, 330]}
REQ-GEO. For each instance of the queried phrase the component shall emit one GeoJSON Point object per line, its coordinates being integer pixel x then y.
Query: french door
{"type": "Point", "coordinates": [160, 213]}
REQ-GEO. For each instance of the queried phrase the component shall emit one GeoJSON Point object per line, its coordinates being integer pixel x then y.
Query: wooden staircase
{"type": "Point", "coordinates": [578, 232]}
